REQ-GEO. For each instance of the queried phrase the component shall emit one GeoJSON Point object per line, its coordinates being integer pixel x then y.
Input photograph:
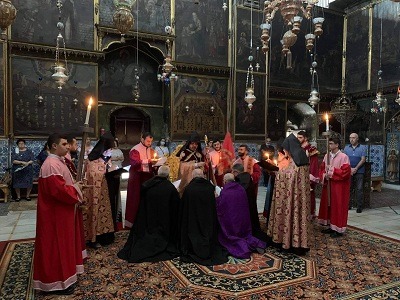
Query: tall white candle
{"type": "Point", "coordinates": [89, 108]}
{"type": "Point", "coordinates": [327, 122]}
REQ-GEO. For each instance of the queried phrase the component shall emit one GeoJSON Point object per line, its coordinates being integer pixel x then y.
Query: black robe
{"type": "Point", "coordinates": [199, 225]}
{"type": "Point", "coordinates": [244, 179]}
{"type": "Point", "coordinates": [154, 235]}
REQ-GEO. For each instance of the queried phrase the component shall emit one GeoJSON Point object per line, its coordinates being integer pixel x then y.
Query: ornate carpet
{"type": "Point", "coordinates": [359, 265]}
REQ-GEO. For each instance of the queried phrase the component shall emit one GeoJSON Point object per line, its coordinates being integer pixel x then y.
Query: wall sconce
{"type": "Point", "coordinates": [187, 108]}
{"type": "Point", "coordinates": [212, 108]}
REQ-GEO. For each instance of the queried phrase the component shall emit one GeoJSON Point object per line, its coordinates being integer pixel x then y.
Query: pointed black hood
{"type": "Point", "coordinates": [292, 145]}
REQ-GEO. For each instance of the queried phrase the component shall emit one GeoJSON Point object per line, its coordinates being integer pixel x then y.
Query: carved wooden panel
{"type": "Point", "coordinates": [199, 105]}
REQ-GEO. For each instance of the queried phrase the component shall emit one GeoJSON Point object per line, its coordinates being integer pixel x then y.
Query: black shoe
{"type": "Point", "coordinates": [359, 210]}
{"type": "Point", "coordinates": [18, 199]}
{"type": "Point", "coordinates": [260, 250]}
{"type": "Point", "coordinates": [328, 230]}
{"type": "Point", "coordinates": [93, 245]}
{"type": "Point", "coordinates": [68, 291]}
{"type": "Point", "coordinates": [336, 234]}
{"type": "Point", "coordinates": [28, 198]}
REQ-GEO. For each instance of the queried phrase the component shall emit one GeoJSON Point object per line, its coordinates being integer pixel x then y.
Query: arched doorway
{"type": "Point", "coordinates": [127, 124]}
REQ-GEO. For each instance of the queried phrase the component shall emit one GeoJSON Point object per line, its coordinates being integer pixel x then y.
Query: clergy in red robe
{"type": "Point", "coordinates": [235, 232]}
{"type": "Point", "coordinates": [142, 158]}
{"type": "Point", "coordinates": [312, 153]}
{"type": "Point", "coordinates": [58, 249]}
{"type": "Point", "coordinates": [333, 210]}
{"type": "Point", "coordinates": [249, 164]}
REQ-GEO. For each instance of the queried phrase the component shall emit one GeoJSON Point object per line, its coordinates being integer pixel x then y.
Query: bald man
{"type": "Point", "coordinates": [199, 226]}
{"type": "Point", "coordinates": [357, 155]}
{"type": "Point", "coordinates": [235, 232]}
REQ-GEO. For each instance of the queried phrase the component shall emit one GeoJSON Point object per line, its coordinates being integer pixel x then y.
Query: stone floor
{"type": "Point", "coordinates": [384, 220]}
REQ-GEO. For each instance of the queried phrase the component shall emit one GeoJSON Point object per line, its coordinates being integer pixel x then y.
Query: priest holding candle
{"type": "Point", "coordinates": [142, 159]}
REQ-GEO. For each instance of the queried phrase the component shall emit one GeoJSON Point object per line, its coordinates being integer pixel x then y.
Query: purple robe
{"type": "Point", "coordinates": [234, 217]}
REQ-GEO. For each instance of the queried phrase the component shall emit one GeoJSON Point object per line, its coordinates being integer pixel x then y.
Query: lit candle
{"type": "Point", "coordinates": [267, 155]}
{"type": "Point", "coordinates": [88, 111]}
{"type": "Point", "coordinates": [155, 155]}
{"type": "Point", "coordinates": [275, 162]}
{"type": "Point", "coordinates": [327, 122]}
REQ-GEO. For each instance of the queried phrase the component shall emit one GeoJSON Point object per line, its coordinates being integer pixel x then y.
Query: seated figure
{"type": "Point", "coordinates": [199, 226]}
{"type": "Point", "coordinates": [154, 235]}
{"type": "Point", "coordinates": [234, 218]}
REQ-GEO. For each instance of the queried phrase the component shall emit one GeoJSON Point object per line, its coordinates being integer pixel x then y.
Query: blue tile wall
{"type": "Point", "coordinates": [377, 158]}
{"type": "Point", "coordinates": [34, 145]}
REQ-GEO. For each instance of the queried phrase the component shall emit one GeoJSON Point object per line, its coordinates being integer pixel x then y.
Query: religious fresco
{"type": "Point", "coordinates": [154, 15]}
{"type": "Point", "coordinates": [2, 116]}
{"type": "Point", "coordinates": [117, 77]}
{"type": "Point", "coordinates": [390, 58]}
{"type": "Point", "coordinates": [200, 104]}
{"type": "Point", "coordinates": [357, 51]}
{"type": "Point", "coordinates": [243, 32]}
{"type": "Point", "coordinates": [250, 121]}
{"type": "Point", "coordinates": [201, 33]}
{"type": "Point", "coordinates": [328, 55]}
{"type": "Point", "coordinates": [36, 22]}
{"type": "Point", "coordinates": [57, 111]}
{"type": "Point", "coordinates": [276, 119]}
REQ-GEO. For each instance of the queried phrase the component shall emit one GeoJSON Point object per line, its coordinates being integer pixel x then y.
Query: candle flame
{"type": "Point", "coordinates": [326, 117]}
{"type": "Point", "coordinates": [155, 155]}
{"type": "Point", "coordinates": [90, 101]}
{"type": "Point", "coordinates": [275, 162]}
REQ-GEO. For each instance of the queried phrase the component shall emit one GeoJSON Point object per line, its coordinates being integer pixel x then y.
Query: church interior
{"type": "Point", "coordinates": [252, 68]}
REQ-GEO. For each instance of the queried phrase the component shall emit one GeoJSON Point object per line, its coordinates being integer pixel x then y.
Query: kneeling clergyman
{"type": "Point", "coordinates": [234, 218]}
{"type": "Point", "coordinates": [154, 235]}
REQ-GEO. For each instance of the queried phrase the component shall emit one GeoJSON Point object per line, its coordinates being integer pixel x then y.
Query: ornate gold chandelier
{"type": "Point", "coordinates": [7, 16]}
{"type": "Point", "coordinates": [291, 11]}
{"type": "Point", "coordinates": [122, 17]}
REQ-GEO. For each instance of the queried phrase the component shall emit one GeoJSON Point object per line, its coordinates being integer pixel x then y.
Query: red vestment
{"type": "Point", "coordinates": [339, 174]}
{"type": "Point", "coordinates": [58, 249]}
{"type": "Point", "coordinates": [141, 170]}
{"type": "Point", "coordinates": [250, 166]}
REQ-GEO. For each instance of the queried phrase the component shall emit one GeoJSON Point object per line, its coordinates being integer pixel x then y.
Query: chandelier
{"type": "Point", "coordinates": [314, 95]}
{"type": "Point", "coordinates": [249, 95]}
{"type": "Point", "coordinates": [122, 17]}
{"type": "Point", "coordinates": [7, 16]}
{"type": "Point", "coordinates": [379, 103]}
{"type": "Point", "coordinates": [166, 71]}
{"type": "Point", "coordinates": [290, 11]}
{"type": "Point", "coordinates": [60, 75]}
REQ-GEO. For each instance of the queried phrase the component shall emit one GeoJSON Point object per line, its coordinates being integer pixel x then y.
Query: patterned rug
{"type": "Point", "coordinates": [360, 265]}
